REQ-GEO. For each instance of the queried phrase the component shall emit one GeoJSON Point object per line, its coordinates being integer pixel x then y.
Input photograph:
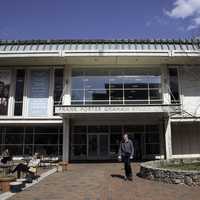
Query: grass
{"type": "Point", "coordinates": [183, 166]}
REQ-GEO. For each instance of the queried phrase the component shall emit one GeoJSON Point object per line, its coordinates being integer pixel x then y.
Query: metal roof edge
{"type": "Point", "coordinates": [101, 41]}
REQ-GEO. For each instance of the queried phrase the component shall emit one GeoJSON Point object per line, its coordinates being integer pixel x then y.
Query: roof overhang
{"type": "Point", "coordinates": [99, 57]}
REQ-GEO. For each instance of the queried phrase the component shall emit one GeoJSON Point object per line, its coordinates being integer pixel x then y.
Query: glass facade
{"type": "Point", "coordinates": [24, 141]}
{"type": "Point", "coordinates": [102, 141]}
{"type": "Point", "coordinates": [107, 86]}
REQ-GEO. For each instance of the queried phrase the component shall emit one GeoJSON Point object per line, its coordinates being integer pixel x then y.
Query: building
{"type": "Point", "coordinates": [75, 98]}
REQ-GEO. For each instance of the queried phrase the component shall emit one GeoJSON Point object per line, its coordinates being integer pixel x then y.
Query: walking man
{"type": "Point", "coordinates": [126, 152]}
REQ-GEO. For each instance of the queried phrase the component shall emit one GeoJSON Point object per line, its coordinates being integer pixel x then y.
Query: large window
{"type": "Point", "coordinates": [174, 88]}
{"type": "Point", "coordinates": [116, 86]}
{"type": "Point", "coordinates": [19, 91]}
{"type": "Point", "coordinates": [58, 85]}
{"type": "Point", "coordinates": [24, 141]}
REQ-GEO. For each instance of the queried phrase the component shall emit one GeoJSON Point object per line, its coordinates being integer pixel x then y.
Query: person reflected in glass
{"type": "Point", "coordinates": [125, 154]}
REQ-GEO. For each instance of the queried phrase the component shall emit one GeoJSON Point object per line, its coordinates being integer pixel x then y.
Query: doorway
{"type": "Point", "coordinates": [97, 146]}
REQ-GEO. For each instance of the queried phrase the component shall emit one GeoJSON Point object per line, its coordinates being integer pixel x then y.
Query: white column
{"type": "Point", "coordinates": [66, 132]}
{"type": "Point", "coordinates": [165, 85]}
{"type": "Point", "coordinates": [168, 139]}
{"type": "Point", "coordinates": [67, 86]}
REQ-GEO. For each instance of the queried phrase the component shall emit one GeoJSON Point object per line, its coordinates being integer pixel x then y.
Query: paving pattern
{"type": "Point", "coordinates": [104, 182]}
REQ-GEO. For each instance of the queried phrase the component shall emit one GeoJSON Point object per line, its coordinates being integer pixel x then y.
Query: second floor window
{"type": "Point", "coordinates": [107, 86]}
{"type": "Point", "coordinates": [174, 87]}
{"type": "Point", "coordinates": [58, 86]}
{"type": "Point", "coordinates": [19, 91]}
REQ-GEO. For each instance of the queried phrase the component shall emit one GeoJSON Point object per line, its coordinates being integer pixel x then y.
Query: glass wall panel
{"type": "Point", "coordinates": [108, 86]}
{"type": "Point", "coordinates": [174, 88]}
{"type": "Point", "coordinates": [19, 92]}
{"type": "Point", "coordinates": [58, 86]}
{"type": "Point", "coordinates": [21, 141]}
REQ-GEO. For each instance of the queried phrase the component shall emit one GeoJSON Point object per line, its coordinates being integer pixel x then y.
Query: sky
{"type": "Point", "coordinates": [99, 19]}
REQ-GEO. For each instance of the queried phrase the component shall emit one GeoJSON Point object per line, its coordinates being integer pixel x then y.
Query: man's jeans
{"type": "Point", "coordinates": [127, 165]}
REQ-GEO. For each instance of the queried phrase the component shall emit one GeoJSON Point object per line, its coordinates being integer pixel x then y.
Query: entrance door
{"type": "Point", "coordinates": [97, 146]}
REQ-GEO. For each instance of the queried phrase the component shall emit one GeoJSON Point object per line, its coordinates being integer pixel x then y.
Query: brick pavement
{"type": "Point", "coordinates": [104, 182]}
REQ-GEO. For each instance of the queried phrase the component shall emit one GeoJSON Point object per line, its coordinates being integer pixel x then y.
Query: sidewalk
{"type": "Point", "coordinates": [104, 182]}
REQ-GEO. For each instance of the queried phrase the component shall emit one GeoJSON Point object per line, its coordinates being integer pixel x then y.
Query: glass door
{"type": "Point", "coordinates": [92, 146]}
{"type": "Point", "coordinates": [97, 146]}
{"type": "Point", "coordinates": [103, 146]}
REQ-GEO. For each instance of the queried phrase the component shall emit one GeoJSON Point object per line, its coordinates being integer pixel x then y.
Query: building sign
{"type": "Point", "coordinates": [5, 76]}
{"type": "Point", "coordinates": [38, 93]}
{"type": "Point", "coordinates": [114, 109]}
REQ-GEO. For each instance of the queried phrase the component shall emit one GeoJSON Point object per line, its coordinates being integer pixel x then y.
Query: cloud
{"type": "Point", "coordinates": [183, 9]}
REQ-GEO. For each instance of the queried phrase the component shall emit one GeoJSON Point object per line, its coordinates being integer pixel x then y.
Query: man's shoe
{"type": "Point", "coordinates": [125, 178]}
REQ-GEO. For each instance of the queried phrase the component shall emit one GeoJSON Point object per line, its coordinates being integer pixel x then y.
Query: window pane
{"type": "Point", "coordinates": [18, 109]}
{"type": "Point", "coordinates": [152, 138]}
{"type": "Point", "coordinates": [15, 150]}
{"type": "Point", "coordinates": [79, 129]}
{"type": "Point", "coordinates": [47, 150]}
{"type": "Point", "coordinates": [96, 82]}
{"type": "Point", "coordinates": [79, 150]}
{"type": "Point", "coordinates": [136, 94]}
{"type": "Point", "coordinates": [116, 95]}
{"type": "Point", "coordinates": [152, 149]}
{"type": "Point", "coordinates": [97, 129]}
{"type": "Point", "coordinates": [115, 139]}
{"type": "Point", "coordinates": [79, 139]}
{"type": "Point", "coordinates": [19, 85]}
{"type": "Point", "coordinates": [77, 95]}
{"type": "Point", "coordinates": [136, 82]}
{"type": "Point", "coordinates": [14, 138]}
{"type": "Point", "coordinates": [155, 94]}
{"type": "Point", "coordinates": [116, 129]}
{"type": "Point", "coordinates": [154, 81]}
{"type": "Point", "coordinates": [96, 95]}
{"type": "Point", "coordinates": [46, 139]}
{"type": "Point", "coordinates": [116, 82]}
{"type": "Point", "coordinates": [173, 76]}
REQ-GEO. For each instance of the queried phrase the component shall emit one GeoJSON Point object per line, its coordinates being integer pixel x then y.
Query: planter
{"type": "Point", "coordinates": [5, 182]}
{"type": "Point", "coordinates": [156, 170]}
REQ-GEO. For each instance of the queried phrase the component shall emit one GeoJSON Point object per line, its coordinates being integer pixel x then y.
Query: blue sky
{"type": "Point", "coordinates": [99, 19]}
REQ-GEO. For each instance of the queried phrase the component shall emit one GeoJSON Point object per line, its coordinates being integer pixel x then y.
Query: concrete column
{"type": "Point", "coordinates": [165, 85]}
{"type": "Point", "coordinates": [66, 100]}
{"type": "Point", "coordinates": [66, 132]}
{"type": "Point", "coordinates": [168, 139]}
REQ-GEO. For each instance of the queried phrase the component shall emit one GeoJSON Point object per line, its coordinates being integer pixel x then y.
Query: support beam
{"type": "Point", "coordinates": [66, 132]}
{"type": "Point", "coordinates": [168, 139]}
